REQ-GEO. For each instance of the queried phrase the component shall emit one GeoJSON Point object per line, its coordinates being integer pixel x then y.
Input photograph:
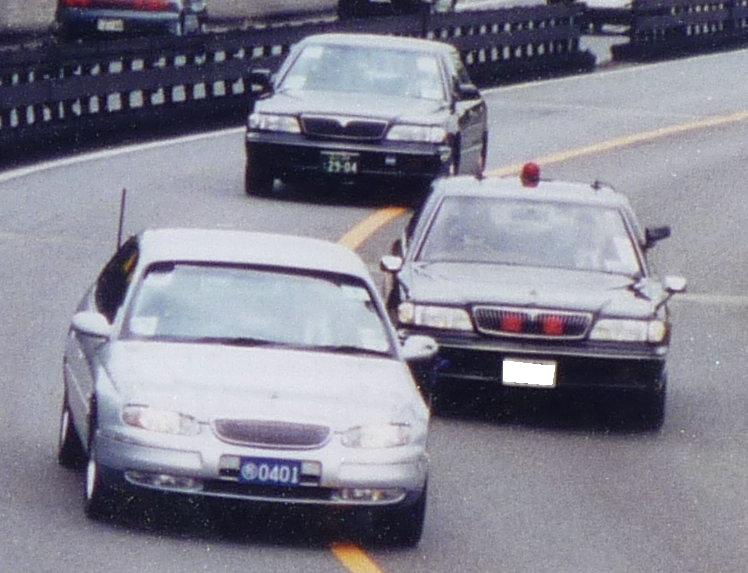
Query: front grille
{"type": "Point", "coordinates": [525, 323]}
{"type": "Point", "coordinates": [343, 128]}
{"type": "Point", "coordinates": [270, 434]}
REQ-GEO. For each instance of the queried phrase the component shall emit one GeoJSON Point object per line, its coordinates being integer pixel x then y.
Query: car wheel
{"type": "Point", "coordinates": [100, 495]}
{"type": "Point", "coordinates": [70, 452]}
{"type": "Point", "coordinates": [402, 525]}
{"type": "Point", "coordinates": [257, 181]}
{"type": "Point", "coordinates": [653, 407]}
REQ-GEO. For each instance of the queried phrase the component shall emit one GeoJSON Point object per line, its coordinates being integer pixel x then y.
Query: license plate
{"type": "Point", "coordinates": [270, 472]}
{"type": "Point", "coordinates": [531, 373]}
{"type": "Point", "coordinates": [110, 25]}
{"type": "Point", "coordinates": [336, 162]}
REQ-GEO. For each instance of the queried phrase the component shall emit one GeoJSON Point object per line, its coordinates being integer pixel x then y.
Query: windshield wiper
{"type": "Point", "coordinates": [346, 349]}
{"type": "Point", "coordinates": [235, 341]}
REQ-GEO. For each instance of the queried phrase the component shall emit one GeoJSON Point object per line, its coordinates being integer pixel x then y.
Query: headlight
{"type": "Point", "coordinates": [629, 330]}
{"type": "Point", "coordinates": [271, 122]}
{"type": "Point", "coordinates": [162, 421]}
{"type": "Point", "coordinates": [445, 317]}
{"type": "Point", "coordinates": [377, 436]}
{"type": "Point", "coordinates": [425, 133]}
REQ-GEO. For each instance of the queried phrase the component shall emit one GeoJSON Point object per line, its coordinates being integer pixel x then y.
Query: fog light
{"type": "Point", "coordinates": [164, 481]}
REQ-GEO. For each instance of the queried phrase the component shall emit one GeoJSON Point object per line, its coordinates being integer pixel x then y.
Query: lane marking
{"type": "Point", "coordinates": [712, 299]}
{"type": "Point", "coordinates": [354, 558]}
{"type": "Point", "coordinates": [364, 229]}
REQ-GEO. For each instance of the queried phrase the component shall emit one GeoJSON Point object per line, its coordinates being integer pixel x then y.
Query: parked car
{"type": "Point", "coordinates": [537, 285]}
{"type": "Point", "coordinates": [358, 107]}
{"type": "Point", "coordinates": [81, 18]}
{"type": "Point", "coordinates": [245, 366]}
{"type": "Point", "coordinates": [362, 8]}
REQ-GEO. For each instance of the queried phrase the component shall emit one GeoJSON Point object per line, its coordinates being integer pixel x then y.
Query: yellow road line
{"type": "Point", "coordinates": [354, 238]}
{"type": "Point", "coordinates": [354, 558]}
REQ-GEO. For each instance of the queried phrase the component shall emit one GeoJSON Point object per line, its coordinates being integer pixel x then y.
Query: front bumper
{"type": "Point", "coordinates": [294, 156]}
{"type": "Point", "coordinates": [346, 477]}
{"type": "Point", "coordinates": [472, 359]}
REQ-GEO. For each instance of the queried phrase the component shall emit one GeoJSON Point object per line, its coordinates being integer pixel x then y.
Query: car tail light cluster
{"type": "Point", "coordinates": [531, 323]}
{"type": "Point", "coordinates": [138, 5]}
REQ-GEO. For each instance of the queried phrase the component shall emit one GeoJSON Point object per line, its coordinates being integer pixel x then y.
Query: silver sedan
{"type": "Point", "coordinates": [246, 366]}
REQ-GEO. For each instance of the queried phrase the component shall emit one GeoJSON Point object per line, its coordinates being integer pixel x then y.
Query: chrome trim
{"type": "Point", "coordinates": [533, 313]}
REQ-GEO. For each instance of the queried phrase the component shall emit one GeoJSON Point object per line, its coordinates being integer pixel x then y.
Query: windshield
{"type": "Point", "coordinates": [530, 233]}
{"type": "Point", "coordinates": [358, 69]}
{"type": "Point", "coordinates": [240, 305]}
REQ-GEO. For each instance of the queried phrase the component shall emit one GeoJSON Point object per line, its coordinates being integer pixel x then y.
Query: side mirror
{"type": "Point", "coordinates": [468, 91]}
{"type": "Point", "coordinates": [390, 263]}
{"type": "Point", "coordinates": [654, 234]}
{"type": "Point", "coordinates": [418, 347]}
{"type": "Point", "coordinates": [674, 284]}
{"type": "Point", "coordinates": [92, 324]}
{"type": "Point", "coordinates": [261, 77]}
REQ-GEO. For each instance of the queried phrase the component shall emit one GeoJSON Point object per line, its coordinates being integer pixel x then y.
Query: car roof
{"type": "Point", "coordinates": [248, 248]}
{"type": "Point", "coordinates": [380, 41]}
{"type": "Point", "coordinates": [544, 190]}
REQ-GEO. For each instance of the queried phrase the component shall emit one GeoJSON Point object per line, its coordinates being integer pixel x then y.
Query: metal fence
{"type": "Point", "coordinates": [660, 28]}
{"type": "Point", "coordinates": [59, 89]}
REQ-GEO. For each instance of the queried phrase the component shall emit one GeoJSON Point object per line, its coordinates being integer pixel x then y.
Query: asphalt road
{"type": "Point", "coordinates": [539, 484]}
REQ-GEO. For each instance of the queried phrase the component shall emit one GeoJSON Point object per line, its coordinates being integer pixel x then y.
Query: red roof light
{"type": "Point", "coordinates": [530, 175]}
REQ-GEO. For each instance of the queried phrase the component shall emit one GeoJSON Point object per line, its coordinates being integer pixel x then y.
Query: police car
{"type": "Point", "coordinates": [535, 284]}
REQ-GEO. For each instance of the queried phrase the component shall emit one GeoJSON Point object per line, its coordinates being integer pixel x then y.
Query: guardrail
{"type": "Point", "coordinates": [88, 88]}
{"type": "Point", "coordinates": [659, 28]}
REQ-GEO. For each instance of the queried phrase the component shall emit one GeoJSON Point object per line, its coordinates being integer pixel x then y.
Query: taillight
{"type": "Point", "coordinates": [136, 5]}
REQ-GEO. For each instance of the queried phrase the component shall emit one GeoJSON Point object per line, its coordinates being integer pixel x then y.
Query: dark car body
{"type": "Point", "coordinates": [362, 8]}
{"type": "Point", "coordinates": [525, 314]}
{"type": "Point", "coordinates": [324, 123]}
{"type": "Point", "coordinates": [83, 18]}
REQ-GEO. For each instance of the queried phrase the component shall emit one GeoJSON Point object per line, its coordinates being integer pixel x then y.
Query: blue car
{"type": "Point", "coordinates": [83, 18]}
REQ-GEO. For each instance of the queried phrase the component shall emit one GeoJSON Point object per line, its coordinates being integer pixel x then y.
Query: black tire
{"type": "Point", "coordinates": [258, 181]}
{"type": "Point", "coordinates": [70, 452]}
{"type": "Point", "coordinates": [101, 497]}
{"type": "Point", "coordinates": [652, 407]}
{"type": "Point", "coordinates": [402, 526]}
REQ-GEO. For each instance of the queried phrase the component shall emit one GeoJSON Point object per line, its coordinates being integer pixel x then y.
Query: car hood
{"type": "Point", "coordinates": [390, 108]}
{"type": "Point", "coordinates": [472, 283]}
{"type": "Point", "coordinates": [211, 380]}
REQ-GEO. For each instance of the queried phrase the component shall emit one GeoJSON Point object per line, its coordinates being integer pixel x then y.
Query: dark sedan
{"type": "Point", "coordinates": [543, 285]}
{"type": "Point", "coordinates": [354, 107]}
{"type": "Point", "coordinates": [361, 8]}
{"type": "Point", "coordinates": [81, 18]}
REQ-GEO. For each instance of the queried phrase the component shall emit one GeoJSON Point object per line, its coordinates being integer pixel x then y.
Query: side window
{"type": "Point", "coordinates": [111, 287]}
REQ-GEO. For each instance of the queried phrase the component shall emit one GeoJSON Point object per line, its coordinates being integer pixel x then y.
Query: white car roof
{"type": "Point", "coordinates": [248, 248]}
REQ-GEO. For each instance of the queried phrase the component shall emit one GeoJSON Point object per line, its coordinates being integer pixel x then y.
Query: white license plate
{"type": "Point", "coordinates": [340, 162]}
{"type": "Point", "coordinates": [531, 373]}
{"type": "Point", "coordinates": [110, 25]}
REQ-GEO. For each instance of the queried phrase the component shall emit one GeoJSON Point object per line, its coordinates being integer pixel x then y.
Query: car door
{"type": "Point", "coordinates": [80, 362]}
{"type": "Point", "coordinates": [471, 113]}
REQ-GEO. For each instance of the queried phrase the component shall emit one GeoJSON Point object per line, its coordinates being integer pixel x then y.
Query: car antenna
{"type": "Point", "coordinates": [122, 201]}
